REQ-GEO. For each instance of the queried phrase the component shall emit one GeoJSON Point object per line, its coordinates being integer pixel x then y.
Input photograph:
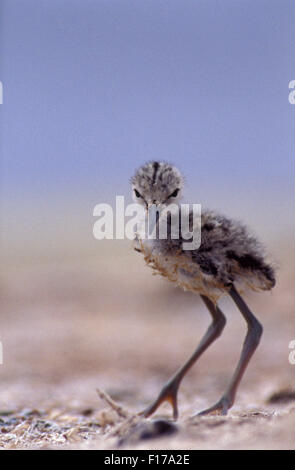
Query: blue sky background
{"type": "Point", "coordinates": [93, 88]}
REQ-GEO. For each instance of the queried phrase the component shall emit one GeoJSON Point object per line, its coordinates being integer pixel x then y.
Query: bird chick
{"type": "Point", "coordinates": [228, 260]}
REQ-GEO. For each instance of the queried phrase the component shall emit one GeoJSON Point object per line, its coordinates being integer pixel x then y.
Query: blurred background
{"type": "Point", "coordinates": [93, 89]}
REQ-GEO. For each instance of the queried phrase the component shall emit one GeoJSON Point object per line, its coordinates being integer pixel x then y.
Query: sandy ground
{"type": "Point", "coordinates": [71, 326]}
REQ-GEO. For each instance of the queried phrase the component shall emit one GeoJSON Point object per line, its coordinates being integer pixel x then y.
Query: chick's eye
{"type": "Point", "coordinates": [174, 194]}
{"type": "Point", "coordinates": [137, 194]}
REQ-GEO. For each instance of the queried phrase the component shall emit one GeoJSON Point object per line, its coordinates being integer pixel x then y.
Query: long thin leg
{"type": "Point", "coordinates": [169, 391]}
{"type": "Point", "coordinates": [250, 344]}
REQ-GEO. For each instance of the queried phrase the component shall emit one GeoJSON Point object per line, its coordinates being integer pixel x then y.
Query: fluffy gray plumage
{"type": "Point", "coordinates": [228, 252]}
